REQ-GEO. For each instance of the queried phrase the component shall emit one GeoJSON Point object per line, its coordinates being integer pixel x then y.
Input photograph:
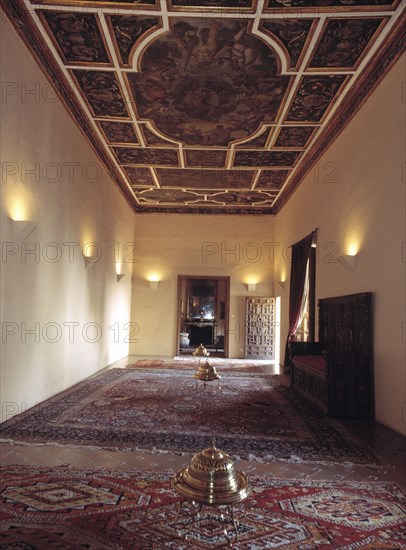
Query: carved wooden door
{"type": "Point", "coordinates": [260, 319]}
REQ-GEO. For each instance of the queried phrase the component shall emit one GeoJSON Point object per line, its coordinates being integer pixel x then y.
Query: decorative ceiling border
{"type": "Point", "coordinates": [154, 5]}
{"type": "Point", "coordinates": [294, 10]}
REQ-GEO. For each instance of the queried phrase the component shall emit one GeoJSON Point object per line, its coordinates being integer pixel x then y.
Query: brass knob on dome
{"type": "Point", "coordinates": [201, 351]}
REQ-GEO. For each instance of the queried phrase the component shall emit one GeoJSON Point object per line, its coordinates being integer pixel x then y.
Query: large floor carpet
{"type": "Point", "coordinates": [72, 509]}
{"type": "Point", "coordinates": [251, 416]}
{"type": "Point", "coordinates": [190, 362]}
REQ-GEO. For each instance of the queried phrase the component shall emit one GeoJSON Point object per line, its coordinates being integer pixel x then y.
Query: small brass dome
{"type": "Point", "coordinates": [211, 478]}
{"type": "Point", "coordinates": [201, 351]}
{"type": "Point", "coordinates": [207, 372]}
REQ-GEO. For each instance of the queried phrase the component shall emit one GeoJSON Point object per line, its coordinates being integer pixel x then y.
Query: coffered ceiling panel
{"type": "Point", "coordinates": [211, 106]}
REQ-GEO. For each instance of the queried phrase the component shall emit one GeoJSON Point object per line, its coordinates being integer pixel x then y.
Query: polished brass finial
{"type": "Point", "coordinates": [201, 351]}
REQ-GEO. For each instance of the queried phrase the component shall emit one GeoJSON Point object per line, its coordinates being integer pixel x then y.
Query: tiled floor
{"type": "Point", "coordinates": [388, 446]}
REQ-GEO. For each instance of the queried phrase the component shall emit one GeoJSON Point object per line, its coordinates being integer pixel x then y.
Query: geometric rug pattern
{"type": "Point", "coordinates": [251, 416]}
{"type": "Point", "coordinates": [188, 362]}
{"type": "Point", "coordinates": [68, 508]}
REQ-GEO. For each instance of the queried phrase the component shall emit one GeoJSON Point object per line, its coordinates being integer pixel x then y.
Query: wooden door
{"type": "Point", "coordinates": [260, 319]}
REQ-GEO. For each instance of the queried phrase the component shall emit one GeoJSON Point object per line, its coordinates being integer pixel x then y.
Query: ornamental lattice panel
{"type": "Point", "coordinates": [260, 319]}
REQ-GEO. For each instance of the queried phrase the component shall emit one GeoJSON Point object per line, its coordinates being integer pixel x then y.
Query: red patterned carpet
{"type": "Point", "coordinates": [189, 362]}
{"type": "Point", "coordinates": [64, 508]}
{"type": "Point", "coordinates": [252, 416]}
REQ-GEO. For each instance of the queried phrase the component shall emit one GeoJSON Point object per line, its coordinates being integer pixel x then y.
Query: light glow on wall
{"type": "Point", "coordinates": [354, 236]}
{"type": "Point", "coordinates": [18, 204]}
{"type": "Point", "coordinates": [18, 211]}
{"type": "Point", "coordinates": [154, 277]}
{"type": "Point", "coordinates": [351, 251]}
{"type": "Point", "coordinates": [251, 280]}
{"type": "Point", "coordinates": [89, 246]}
{"type": "Point", "coordinates": [88, 250]}
{"type": "Point", "coordinates": [352, 248]}
{"type": "Point", "coordinates": [251, 283]}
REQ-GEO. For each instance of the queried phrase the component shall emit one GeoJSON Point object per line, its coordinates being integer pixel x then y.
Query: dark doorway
{"type": "Point", "coordinates": [203, 314]}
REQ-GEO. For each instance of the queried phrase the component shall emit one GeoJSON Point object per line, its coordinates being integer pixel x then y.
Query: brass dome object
{"type": "Point", "coordinates": [211, 478]}
{"type": "Point", "coordinates": [201, 351]}
{"type": "Point", "coordinates": [207, 372]}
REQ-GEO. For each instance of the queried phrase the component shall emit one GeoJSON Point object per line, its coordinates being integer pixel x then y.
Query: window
{"type": "Point", "coordinates": [302, 270]}
{"type": "Point", "coordinates": [305, 329]}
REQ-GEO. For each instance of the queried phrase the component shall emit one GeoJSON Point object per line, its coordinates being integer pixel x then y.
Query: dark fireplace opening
{"type": "Point", "coordinates": [201, 335]}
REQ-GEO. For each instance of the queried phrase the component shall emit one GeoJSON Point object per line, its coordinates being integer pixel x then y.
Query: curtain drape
{"type": "Point", "coordinates": [300, 257]}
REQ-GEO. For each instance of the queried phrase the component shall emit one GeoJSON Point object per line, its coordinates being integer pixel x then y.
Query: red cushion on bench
{"type": "Point", "coordinates": [315, 361]}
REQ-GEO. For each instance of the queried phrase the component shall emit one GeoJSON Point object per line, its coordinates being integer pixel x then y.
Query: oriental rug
{"type": "Point", "coordinates": [188, 362]}
{"type": "Point", "coordinates": [72, 509]}
{"type": "Point", "coordinates": [251, 416]}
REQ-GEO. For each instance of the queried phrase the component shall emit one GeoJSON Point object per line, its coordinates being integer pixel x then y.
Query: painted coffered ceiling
{"type": "Point", "coordinates": [203, 106]}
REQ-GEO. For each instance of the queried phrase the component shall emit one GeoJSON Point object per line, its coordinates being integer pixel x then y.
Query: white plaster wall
{"type": "Point", "coordinates": [72, 200]}
{"type": "Point", "coordinates": [355, 195]}
{"type": "Point", "coordinates": [215, 245]}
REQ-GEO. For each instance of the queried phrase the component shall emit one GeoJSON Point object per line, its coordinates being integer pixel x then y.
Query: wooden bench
{"type": "Point", "coordinates": [336, 373]}
{"type": "Point", "coordinates": [308, 372]}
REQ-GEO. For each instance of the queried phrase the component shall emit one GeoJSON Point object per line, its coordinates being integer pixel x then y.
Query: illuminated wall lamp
{"type": "Point", "coordinates": [91, 253]}
{"type": "Point", "coordinates": [21, 229]}
{"type": "Point", "coordinates": [154, 285]}
{"type": "Point", "coordinates": [251, 287]}
{"type": "Point", "coordinates": [119, 276]}
{"type": "Point", "coordinates": [281, 284]}
{"type": "Point", "coordinates": [348, 261]}
{"type": "Point", "coordinates": [89, 260]}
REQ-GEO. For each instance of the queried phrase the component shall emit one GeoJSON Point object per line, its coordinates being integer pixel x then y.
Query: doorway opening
{"type": "Point", "coordinates": [203, 306]}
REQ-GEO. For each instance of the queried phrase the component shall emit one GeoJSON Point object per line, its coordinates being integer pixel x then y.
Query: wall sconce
{"type": "Point", "coordinates": [91, 253]}
{"type": "Point", "coordinates": [89, 257]}
{"type": "Point", "coordinates": [119, 268]}
{"type": "Point", "coordinates": [89, 260]}
{"type": "Point", "coordinates": [154, 278]}
{"type": "Point", "coordinates": [281, 284]}
{"type": "Point", "coordinates": [348, 261]}
{"type": "Point", "coordinates": [251, 287]}
{"type": "Point", "coordinates": [21, 229]}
